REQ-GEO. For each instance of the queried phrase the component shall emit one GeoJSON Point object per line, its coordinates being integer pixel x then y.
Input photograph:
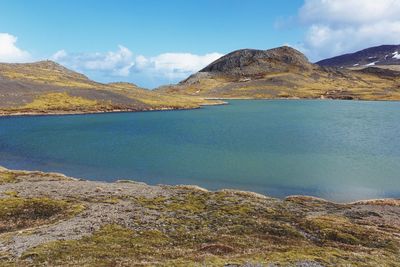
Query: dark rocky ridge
{"type": "Point", "coordinates": [381, 72]}
{"type": "Point", "coordinates": [253, 64]}
{"type": "Point", "coordinates": [378, 55]}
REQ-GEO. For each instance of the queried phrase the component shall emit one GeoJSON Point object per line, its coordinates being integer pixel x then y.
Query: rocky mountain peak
{"type": "Point", "coordinates": [253, 61]}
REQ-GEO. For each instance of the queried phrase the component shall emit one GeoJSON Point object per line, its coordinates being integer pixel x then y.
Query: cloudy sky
{"type": "Point", "coordinates": [154, 42]}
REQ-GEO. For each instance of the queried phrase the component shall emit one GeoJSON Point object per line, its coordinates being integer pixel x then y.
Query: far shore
{"type": "Point", "coordinates": [5, 113]}
{"type": "Point", "coordinates": [61, 113]}
{"type": "Point", "coordinates": [224, 101]}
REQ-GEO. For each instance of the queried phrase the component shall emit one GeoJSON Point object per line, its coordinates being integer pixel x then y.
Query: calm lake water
{"type": "Point", "coordinates": [339, 150]}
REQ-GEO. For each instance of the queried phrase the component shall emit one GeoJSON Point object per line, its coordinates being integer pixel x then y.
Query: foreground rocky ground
{"type": "Point", "coordinates": [48, 219]}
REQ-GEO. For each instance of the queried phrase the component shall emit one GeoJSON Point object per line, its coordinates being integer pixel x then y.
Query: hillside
{"type": "Point", "coordinates": [284, 72]}
{"type": "Point", "coordinates": [384, 55]}
{"type": "Point", "coordinates": [46, 87]}
{"type": "Point", "coordinates": [48, 219]}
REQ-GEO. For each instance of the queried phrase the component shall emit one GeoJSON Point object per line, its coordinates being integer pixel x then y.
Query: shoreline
{"type": "Point", "coordinates": [69, 113]}
{"type": "Point", "coordinates": [299, 98]}
{"type": "Point", "coordinates": [374, 201]}
{"type": "Point", "coordinates": [62, 113]}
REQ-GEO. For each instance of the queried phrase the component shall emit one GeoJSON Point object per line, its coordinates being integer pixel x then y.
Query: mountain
{"type": "Point", "coordinates": [48, 87]}
{"type": "Point", "coordinates": [251, 62]}
{"type": "Point", "coordinates": [284, 72]}
{"type": "Point", "coordinates": [383, 55]}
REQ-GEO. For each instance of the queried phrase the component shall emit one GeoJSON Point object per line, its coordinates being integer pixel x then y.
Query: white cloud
{"type": "Point", "coordinates": [174, 65]}
{"type": "Point", "coordinates": [166, 67]}
{"type": "Point", "coordinates": [9, 52]}
{"type": "Point", "coordinates": [59, 55]}
{"type": "Point", "coordinates": [342, 26]}
{"type": "Point", "coordinates": [349, 11]}
{"type": "Point", "coordinates": [111, 63]}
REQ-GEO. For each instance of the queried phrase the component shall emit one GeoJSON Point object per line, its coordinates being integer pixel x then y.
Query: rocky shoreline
{"type": "Point", "coordinates": [5, 113]}
{"type": "Point", "coordinates": [66, 112]}
{"type": "Point", "coordinates": [220, 102]}
{"type": "Point", "coordinates": [54, 220]}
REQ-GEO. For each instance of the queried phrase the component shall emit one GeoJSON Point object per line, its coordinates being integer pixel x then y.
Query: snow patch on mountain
{"type": "Point", "coordinates": [371, 64]}
{"type": "Point", "coordinates": [396, 55]}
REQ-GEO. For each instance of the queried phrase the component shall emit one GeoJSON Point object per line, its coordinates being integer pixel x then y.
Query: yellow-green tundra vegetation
{"type": "Point", "coordinates": [20, 213]}
{"type": "Point", "coordinates": [46, 87]}
{"type": "Point", "coordinates": [49, 88]}
{"type": "Point", "coordinates": [284, 72]}
{"type": "Point", "coordinates": [51, 220]}
{"type": "Point", "coordinates": [61, 101]}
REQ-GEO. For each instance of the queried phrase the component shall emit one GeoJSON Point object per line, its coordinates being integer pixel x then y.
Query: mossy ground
{"type": "Point", "coordinates": [7, 177]}
{"type": "Point", "coordinates": [292, 84]}
{"type": "Point", "coordinates": [187, 226]}
{"type": "Point", "coordinates": [196, 228]}
{"type": "Point", "coordinates": [20, 213]}
{"type": "Point", "coordinates": [60, 101]}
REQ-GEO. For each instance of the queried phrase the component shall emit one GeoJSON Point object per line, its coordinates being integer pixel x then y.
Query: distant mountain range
{"type": "Point", "coordinates": [46, 87]}
{"type": "Point", "coordinates": [284, 72]}
{"type": "Point", "coordinates": [374, 56]}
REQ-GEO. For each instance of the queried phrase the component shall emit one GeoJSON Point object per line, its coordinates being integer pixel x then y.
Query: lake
{"type": "Point", "coordinates": [338, 150]}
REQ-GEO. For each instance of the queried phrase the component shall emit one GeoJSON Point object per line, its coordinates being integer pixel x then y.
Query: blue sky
{"type": "Point", "coordinates": [152, 42]}
{"type": "Point", "coordinates": [147, 26]}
